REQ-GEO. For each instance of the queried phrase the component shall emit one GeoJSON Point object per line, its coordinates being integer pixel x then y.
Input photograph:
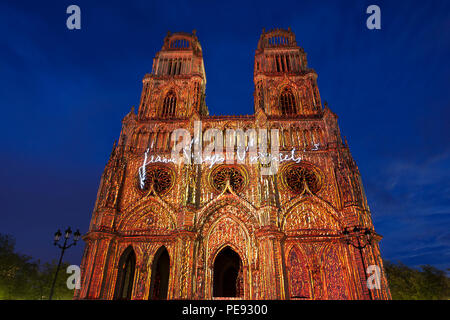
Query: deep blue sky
{"type": "Point", "coordinates": [63, 94]}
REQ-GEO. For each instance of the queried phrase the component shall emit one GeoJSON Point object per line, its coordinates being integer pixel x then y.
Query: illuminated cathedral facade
{"type": "Point", "coordinates": [164, 229]}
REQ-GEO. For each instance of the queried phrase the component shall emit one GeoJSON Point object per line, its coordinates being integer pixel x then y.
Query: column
{"type": "Point", "coordinates": [271, 263]}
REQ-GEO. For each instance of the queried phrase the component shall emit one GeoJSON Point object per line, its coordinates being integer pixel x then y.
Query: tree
{"type": "Point", "coordinates": [21, 278]}
{"type": "Point", "coordinates": [47, 274]}
{"type": "Point", "coordinates": [428, 283]}
{"type": "Point", "coordinates": [16, 270]}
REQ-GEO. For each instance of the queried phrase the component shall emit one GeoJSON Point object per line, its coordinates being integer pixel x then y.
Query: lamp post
{"type": "Point", "coordinates": [367, 237]}
{"type": "Point", "coordinates": [67, 234]}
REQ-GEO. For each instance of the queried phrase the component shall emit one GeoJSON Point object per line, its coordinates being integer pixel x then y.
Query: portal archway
{"type": "Point", "coordinates": [125, 275]}
{"type": "Point", "coordinates": [228, 274]}
{"type": "Point", "coordinates": [160, 275]}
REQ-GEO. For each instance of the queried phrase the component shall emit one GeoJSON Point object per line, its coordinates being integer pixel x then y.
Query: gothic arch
{"type": "Point", "coordinates": [235, 245]}
{"type": "Point", "coordinates": [179, 42]}
{"type": "Point", "coordinates": [152, 141]}
{"type": "Point", "coordinates": [299, 281]}
{"type": "Point", "coordinates": [169, 105]}
{"type": "Point", "coordinates": [126, 271]}
{"type": "Point", "coordinates": [307, 138]}
{"type": "Point", "coordinates": [169, 86]}
{"type": "Point", "coordinates": [260, 96]}
{"type": "Point", "coordinates": [225, 200]}
{"type": "Point", "coordinates": [310, 212]}
{"type": "Point", "coordinates": [228, 280]}
{"type": "Point", "coordinates": [304, 100]}
{"type": "Point", "coordinates": [287, 137]}
{"type": "Point", "coordinates": [287, 101]}
{"type": "Point", "coordinates": [159, 202]}
{"type": "Point", "coordinates": [227, 231]}
{"type": "Point", "coordinates": [139, 136]}
{"type": "Point", "coordinates": [160, 275]}
{"type": "Point", "coordinates": [151, 213]}
{"type": "Point", "coordinates": [318, 135]}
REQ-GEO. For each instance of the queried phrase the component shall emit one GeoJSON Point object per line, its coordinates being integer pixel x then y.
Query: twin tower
{"type": "Point", "coordinates": [174, 230]}
{"type": "Point", "coordinates": [284, 85]}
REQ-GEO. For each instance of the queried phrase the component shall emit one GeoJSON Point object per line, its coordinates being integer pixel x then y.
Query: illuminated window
{"type": "Point", "coordinates": [161, 178]}
{"type": "Point", "coordinates": [169, 106]}
{"type": "Point", "coordinates": [297, 175]}
{"type": "Point", "coordinates": [287, 102]}
{"type": "Point", "coordinates": [228, 174]}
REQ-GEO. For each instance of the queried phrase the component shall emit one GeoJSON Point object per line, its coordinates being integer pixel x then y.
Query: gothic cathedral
{"type": "Point", "coordinates": [164, 229]}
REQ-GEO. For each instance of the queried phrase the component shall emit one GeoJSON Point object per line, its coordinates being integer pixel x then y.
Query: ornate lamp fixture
{"type": "Point", "coordinates": [364, 237]}
{"type": "Point", "coordinates": [67, 234]}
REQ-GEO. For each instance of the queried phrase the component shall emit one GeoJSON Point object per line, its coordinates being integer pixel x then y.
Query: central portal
{"type": "Point", "coordinates": [228, 278]}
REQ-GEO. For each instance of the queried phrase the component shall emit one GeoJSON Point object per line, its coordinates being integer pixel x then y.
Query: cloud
{"type": "Point", "coordinates": [410, 205]}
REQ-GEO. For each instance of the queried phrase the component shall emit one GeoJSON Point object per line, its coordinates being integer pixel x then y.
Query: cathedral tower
{"type": "Point", "coordinates": [168, 229]}
{"type": "Point", "coordinates": [285, 86]}
{"type": "Point", "coordinates": [176, 87]}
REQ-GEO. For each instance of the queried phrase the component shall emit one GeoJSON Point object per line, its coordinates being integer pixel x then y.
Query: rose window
{"type": "Point", "coordinates": [161, 178]}
{"type": "Point", "coordinates": [297, 175]}
{"type": "Point", "coordinates": [228, 174]}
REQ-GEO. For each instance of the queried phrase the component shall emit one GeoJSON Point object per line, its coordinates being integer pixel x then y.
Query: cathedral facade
{"type": "Point", "coordinates": [291, 222]}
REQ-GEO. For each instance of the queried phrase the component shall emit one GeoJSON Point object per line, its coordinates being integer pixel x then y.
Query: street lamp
{"type": "Point", "coordinates": [367, 236]}
{"type": "Point", "coordinates": [67, 234]}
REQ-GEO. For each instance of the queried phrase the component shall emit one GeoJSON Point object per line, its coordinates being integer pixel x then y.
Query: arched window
{"type": "Point", "coordinates": [160, 275]}
{"type": "Point", "coordinates": [260, 96]}
{"type": "Point", "coordinates": [306, 138]}
{"type": "Point", "coordinates": [125, 275]}
{"type": "Point", "coordinates": [287, 102]}
{"type": "Point", "coordinates": [170, 104]}
{"type": "Point", "coordinates": [197, 96]}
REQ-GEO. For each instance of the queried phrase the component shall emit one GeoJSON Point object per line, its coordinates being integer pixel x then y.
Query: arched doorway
{"type": "Point", "coordinates": [125, 275]}
{"type": "Point", "coordinates": [159, 284]}
{"type": "Point", "coordinates": [228, 277]}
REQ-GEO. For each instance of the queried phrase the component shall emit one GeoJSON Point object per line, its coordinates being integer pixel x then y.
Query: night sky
{"type": "Point", "coordinates": [63, 94]}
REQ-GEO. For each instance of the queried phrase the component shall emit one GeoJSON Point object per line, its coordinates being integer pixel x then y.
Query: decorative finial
{"type": "Point", "coordinates": [264, 30]}
{"type": "Point", "coordinates": [325, 103]}
{"type": "Point", "coordinates": [194, 32]}
{"type": "Point", "coordinates": [132, 109]}
{"type": "Point", "coordinates": [168, 33]}
{"type": "Point", "coordinates": [289, 29]}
